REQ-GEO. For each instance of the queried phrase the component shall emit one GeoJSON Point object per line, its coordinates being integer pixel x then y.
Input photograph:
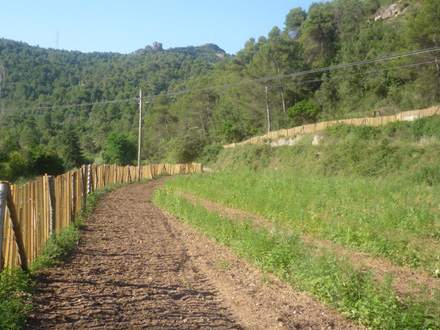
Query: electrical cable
{"type": "Point", "coordinates": [247, 82]}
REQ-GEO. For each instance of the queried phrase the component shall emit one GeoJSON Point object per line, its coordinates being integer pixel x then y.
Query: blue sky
{"type": "Point", "coordinates": [125, 26]}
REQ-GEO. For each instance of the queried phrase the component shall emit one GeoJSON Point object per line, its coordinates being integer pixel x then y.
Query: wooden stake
{"type": "Point", "coordinates": [96, 178]}
{"type": "Point", "coordinates": [89, 179]}
{"type": "Point", "coordinates": [73, 195]}
{"type": "Point", "coordinates": [4, 187]}
{"type": "Point", "coordinates": [84, 186]}
{"type": "Point", "coordinates": [17, 231]}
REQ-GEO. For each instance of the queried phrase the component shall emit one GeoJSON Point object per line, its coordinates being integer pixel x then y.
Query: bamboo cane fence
{"type": "Point", "coordinates": [31, 213]}
{"type": "Point", "coordinates": [318, 127]}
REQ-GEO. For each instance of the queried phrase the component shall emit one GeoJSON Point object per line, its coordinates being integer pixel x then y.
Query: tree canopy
{"type": "Point", "coordinates": [81, 106]}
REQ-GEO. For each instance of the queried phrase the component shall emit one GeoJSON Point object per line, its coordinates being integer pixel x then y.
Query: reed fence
{"type": "Point", "coordinates": [318, 127]}
{"type": "Point", "coordinates": [31, 213]}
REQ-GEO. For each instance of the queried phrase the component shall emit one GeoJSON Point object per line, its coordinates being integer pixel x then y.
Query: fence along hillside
{"type": "Point", "coordinates": [31, 213]}
{"type": "Point", "coordinates": [319, 127]}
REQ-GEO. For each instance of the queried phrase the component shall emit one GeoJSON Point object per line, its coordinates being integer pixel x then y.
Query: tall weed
{"type": "Point", "coordinates": [388, 218]}
{"type": "Point", "coordinates": [356, 293]}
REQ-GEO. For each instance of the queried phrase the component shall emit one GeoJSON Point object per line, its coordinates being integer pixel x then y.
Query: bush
{"type": "Point", "coordinates": [42, 162]}
{"type": "Point", "coordinates": [192, 145]}
{"type": "Point", "coordinates": [304, 112]}
{"type": "Point", "coordinates": [120, 149]}
{"type": "Point", "coordinates": [210, 153]}
{"type": "Point", "coordinates": [426, 127]}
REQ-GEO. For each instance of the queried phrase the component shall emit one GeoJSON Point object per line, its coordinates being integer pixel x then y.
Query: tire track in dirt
{"type": "Point", "coordinates": [404, 278]}
{"type": "Point", "coordinates": [138, 268]}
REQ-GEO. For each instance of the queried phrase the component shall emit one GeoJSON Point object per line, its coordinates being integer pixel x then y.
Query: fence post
{"type": "Point", "coordinates": [51, 184]}
{"type": "Point", "coordinates": [16, 228]}
{"type": "Point", "coordinates": [84, 186]}
{"type": "Point", "coordinates": [4, 187]}
{"type": "Point", "coordinates": [89, 179]}
{"type": "Point", "coordinates": [73, 204]}
{"type": "Point", "coordinates": [105, 180]}
{"type": "Point", "coordinates": [96, 179]}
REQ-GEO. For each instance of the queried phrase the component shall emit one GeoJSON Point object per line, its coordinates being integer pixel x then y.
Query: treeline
{"type": "Point", "coordinates": [194, 125]}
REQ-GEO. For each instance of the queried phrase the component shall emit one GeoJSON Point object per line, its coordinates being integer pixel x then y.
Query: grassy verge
{"type": "Point", "coordinates": [16, 287]}
{"type": "Point", "coordinates": [397, 220]}
{"type": "Point", "coordinates": [355, 293]}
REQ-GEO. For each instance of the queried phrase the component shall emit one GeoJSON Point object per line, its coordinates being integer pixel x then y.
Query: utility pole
{"type": "Point", "coordinates": [282, 95]}
{"type": "Point", "coordinates": [267, 110]}
{"type": "Point", "coordinates": [140, 136]}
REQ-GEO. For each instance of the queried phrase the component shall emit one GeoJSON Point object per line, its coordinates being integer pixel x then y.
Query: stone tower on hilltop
{"type": "Point", "coordinates": [157, 46]}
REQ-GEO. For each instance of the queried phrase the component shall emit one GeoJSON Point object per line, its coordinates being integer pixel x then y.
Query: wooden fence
{"type": "Point", "coordinates": [31, 213]}
{"type": "Point", "coordinates": [318, 127]}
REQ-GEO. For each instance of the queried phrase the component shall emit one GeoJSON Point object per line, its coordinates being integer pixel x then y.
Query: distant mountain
{"type": "Point", "coordinates": [210, 53]}
{"type": "Point", "coordinates": [207, 52]}
{"type": "Point", "coordinates": [35, 76]}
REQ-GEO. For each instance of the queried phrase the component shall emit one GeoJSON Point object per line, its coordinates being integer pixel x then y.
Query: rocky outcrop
{"type": "Point", "coordinates": [388, 12]}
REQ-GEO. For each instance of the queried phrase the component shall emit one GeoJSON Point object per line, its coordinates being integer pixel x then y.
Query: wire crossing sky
{"type": "Point", "coordinates": [126, 26]}
{"type": "Point", "coordinates": [265, 79]}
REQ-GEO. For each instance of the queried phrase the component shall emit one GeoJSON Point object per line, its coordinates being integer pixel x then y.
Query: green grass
{"type": "Point", "coordinates": [408, 151]}
{"type": "Point", "coordinates": [372, 189]}
{"type": "Point", "coordinates": [355, 293]}
{"type": "Point", "coordinates": [16, 288]}
{"type": "Point", "coordinates": [398, 221]}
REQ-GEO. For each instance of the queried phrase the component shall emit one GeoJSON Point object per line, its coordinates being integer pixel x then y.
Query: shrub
{"type": "Point", "coordinates": [120, 149]}
{"type": "Point", "coordinates": [304, 112]}
{"type": "Point", "coordinates": [210, 153]}
{"type": "Point", "coordinates": [192, 145]}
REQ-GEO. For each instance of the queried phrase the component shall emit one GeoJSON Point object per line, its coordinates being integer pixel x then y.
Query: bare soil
{"type": "Point", "coordinates": [140, 268]}
{"type": "Point", "coordinates": [405, 280]}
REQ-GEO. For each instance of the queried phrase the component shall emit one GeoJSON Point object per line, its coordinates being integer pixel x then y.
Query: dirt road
{"type": "Point", "coordinates": [139, 268]}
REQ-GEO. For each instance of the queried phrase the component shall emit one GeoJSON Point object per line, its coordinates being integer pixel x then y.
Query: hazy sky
{"type": "Point", "coordinates": [125, 26]}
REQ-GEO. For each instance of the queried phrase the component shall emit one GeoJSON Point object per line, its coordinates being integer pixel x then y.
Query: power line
{"type": "Point", "coordinates": [265, 79]}
{"type": "Point", "coordinates": [301, 73]}
{"type": "Point", "coordinates": [73, 105]}
{"type": "Point", "coordinates": [359, 73]}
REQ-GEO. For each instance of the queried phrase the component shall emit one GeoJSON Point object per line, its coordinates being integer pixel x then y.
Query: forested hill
{"type": "Point", "coordinates": [192, 125]}
{"type": "Point", "coordinates": [34, 76]}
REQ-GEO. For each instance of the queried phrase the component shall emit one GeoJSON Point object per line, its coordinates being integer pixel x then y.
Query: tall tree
{"type": "Point", "coordinates": [320, 32]}
{"type": "Point", "coordinates": [71, 149]}
{"type": "Point", "coordinates": [294, 19]}
{"type": "Point", "coordinates": [424, 29]}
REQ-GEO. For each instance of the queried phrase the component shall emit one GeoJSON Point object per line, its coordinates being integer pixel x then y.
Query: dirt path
{"type": "Point", "coordinates": [138, 268]}
{"type": "Point", "coordinates": [403, 277]}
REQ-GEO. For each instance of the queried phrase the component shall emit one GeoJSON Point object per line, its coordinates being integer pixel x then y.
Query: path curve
{"type": "Point", "coordinates": [138, 267]}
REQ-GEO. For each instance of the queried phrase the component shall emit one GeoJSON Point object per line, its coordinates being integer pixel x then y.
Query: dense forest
{"type": "Point", "coordinates": [60, 109]}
